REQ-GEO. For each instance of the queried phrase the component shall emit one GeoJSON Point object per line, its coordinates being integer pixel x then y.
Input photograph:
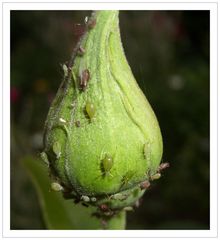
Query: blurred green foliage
{"type": "Point", "coordinates": [168, 52]}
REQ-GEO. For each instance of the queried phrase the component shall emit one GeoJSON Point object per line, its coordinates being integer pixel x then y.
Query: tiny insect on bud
{"type": "Point", "coordinates": [155, 176]}
{"type": "Point", "coordinates": [128, 209]}
{"type": "Point", "coordinates": [84, 78]}
{"type": "Point", "coordinates": [85, 198]}
{"type": "Point", "coordinates": [106, 164]}
{"type": "Point", "coordinates": [86, 19]}
{"type": "Point", "coordinates": [93, 199]}
{"type": "Point", "coordinates": [119, 196]}
{"type": "Point", "coordinates": [91, 23]}
{"type": "Point", "coordinates": [81, 51]}
{"type": "Point", "coordinates": [145, 185]}
{"type": "Point", "coordinates": [62, 120]}
{"type": "Point", "coordinates": [90, 110]}
{"type": "Point", "coordinates": [104, 207]}
{"type": "Point", "coordinates": [127, 177]}
{"type": "Point", "coordinates": [55, 186]}
{"type": "Point", "coordinates": [163, 166]}
{"type": "Point", "coordinates": [78, 29]}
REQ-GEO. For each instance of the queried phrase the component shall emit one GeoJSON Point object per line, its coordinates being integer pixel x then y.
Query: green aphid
{"type": "Point", "coordinates": [90, 110]}
{"type": "Point", "coordinates": [119, 196]}
{"type": "Point", "coordinates": [127, 177]}
{"type": "Point", "coordinates": [57, 149]}
{"type": "Point", "coordinates": [44, 157]}
{"type": "Point", "coordinates": [55, 186]}
{"type": "Point", "coordinates": [106, 164]}
{"type": "Point", "coordinates": [128, 208]}
{"type": "Point", "coordinates": [155, 176]}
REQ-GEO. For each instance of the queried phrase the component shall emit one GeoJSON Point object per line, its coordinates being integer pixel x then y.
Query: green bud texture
{"type": "Point", "coordinates": [102, 139]}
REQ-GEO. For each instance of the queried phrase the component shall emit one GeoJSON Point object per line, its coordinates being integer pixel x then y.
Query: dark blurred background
{"type": "Point", "coordinates": [168, 52]}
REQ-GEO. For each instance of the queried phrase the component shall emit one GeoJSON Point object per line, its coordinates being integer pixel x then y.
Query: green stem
{"type": "Point", "coordinates": [117, 222]}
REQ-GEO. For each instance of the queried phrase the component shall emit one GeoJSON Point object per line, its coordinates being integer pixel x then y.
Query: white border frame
{"type": "Point", "coordinates": [128, 5]}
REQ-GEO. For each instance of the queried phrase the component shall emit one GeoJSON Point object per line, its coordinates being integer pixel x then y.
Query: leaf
{"type": "Point", "coordinates": [58, 213]}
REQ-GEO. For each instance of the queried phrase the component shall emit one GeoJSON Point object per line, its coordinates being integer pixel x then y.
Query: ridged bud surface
{"type": "Point", "coordinates": [102, 138]}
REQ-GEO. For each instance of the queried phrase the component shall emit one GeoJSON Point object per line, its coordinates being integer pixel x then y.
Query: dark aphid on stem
{"type": "Point", "coordinates": [144, 185]}
{"type": "Point", "coordinates": [90, 110]}
{"type": "Point", "coordinates": [81, 51]}
{"type": "Point", "coordinates": [103, 207]}
{"type": "Point", "coordinates": [163, 166]}
{"type": "Point", "coordinates": [84, 78]}
{"type": "Point", "coordinates": [106, 164]}
{"type": "Point", "coordinates": [78, 29]}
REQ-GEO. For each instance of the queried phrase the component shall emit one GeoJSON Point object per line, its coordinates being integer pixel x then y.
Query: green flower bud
{"type": "Point", "coordinates": [102, 138]}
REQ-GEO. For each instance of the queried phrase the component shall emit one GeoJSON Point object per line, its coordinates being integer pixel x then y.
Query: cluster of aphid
{"type": "Point", "coordinates": [84, 76]}
{"type": "Point", "coordinates": [104, 211]}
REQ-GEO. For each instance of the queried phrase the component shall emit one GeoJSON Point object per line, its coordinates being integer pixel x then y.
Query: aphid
{"type": "Point", "coordinates": [106, 164]}
{"type": "Point", "coordinates": [65, 70]}
{"type": "Point", "coordinates": [144, 185]}
{"type": "Point", "coordinates": [103, 207]}
{"type": "Point", "coordinates": [55, 186]}
{"type": "Point", "coordinates": [78, 30]}
{"type": "Point", "coordinates": [91, 23]}
{"type": "Point", "coordinates": [57, 149]}
{"type": "Point", "coordinates": [155, 176]}
{"type": "Point", "coordinates": [77, 123]}
{"type": "Point", "coordinates": [86, 19]}
{"type": "Point", "coordinates": [163, 166]}
{"type": "Point", "coordinates": [84, 78]}
{"type": "Point", "coordinates": [62, 120]}
{"type": "Point", "coordinates": [93, 199]}
{"type": "Point", "coordinates": [127, 177]}
{"type": "Point", "coordinates": [81, 51]}
{"type": "Point", "coordinates": [44, 157]}
{"type": "Point", "coordinates": [85, 198]}
{"type": "Point", "coordinates": [119, 196]}
{"type": "Point", "coordinates": [90, 110]}
{"type": "Point", "coordinates": [128, 208]}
